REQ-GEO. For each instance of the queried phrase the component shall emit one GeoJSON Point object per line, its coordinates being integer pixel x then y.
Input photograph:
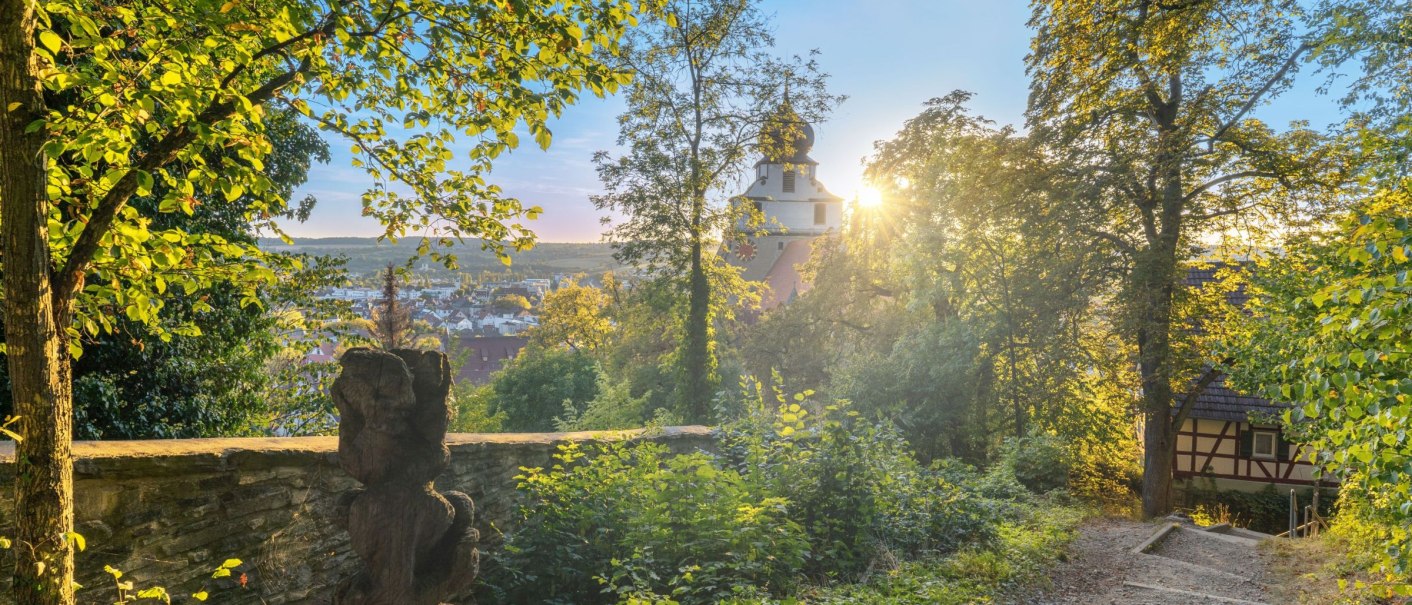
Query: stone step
{"type": "Point", "coordinates": [1175, 596]}
{"type": "Point", "coordinates": [1216, 551]}
{"type": "Point", "coordinates": [1235, 583]}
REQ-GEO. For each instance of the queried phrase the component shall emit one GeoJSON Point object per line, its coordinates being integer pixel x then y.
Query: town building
{"type": "Point", "coordinates": [788, 210]}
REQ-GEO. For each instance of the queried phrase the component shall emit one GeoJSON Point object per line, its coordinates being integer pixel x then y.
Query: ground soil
{"type": "Point", "coordinates": [1188, 567]}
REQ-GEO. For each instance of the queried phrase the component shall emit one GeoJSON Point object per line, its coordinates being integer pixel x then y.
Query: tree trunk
{"type": "Point", "coordinates": [1153, 289]}
{"type": "Point", "coordinates": [35, 353]}
{"type": "Point", "coordinates": [696, 354]}
{"type": "Point", "coordinates": [1154, 282]}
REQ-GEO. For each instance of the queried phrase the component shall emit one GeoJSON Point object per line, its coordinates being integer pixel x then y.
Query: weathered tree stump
{"type": "Point", "coordinates": [417, 546]}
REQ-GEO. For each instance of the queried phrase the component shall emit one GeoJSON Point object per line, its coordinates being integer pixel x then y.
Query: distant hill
{"type": "Point", "coordinates": [367, 254]}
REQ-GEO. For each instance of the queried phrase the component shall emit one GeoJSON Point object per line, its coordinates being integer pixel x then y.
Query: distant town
{"type": "Point", "coordinates": [482, 326]}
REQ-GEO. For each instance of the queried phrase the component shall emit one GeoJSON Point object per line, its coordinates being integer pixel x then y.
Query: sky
{"type": "Point", "coordinates": [887, 56]}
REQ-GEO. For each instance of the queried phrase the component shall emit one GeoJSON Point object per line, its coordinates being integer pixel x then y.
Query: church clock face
{"type": "Point", "coordinates": [745, 251]}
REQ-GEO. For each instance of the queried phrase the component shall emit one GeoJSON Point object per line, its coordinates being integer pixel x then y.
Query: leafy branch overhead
{"type": "Point", "coordinates": [174, 100]}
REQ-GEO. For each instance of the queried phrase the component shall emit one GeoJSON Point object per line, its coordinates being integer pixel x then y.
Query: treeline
{"type": "Point", "coordinates": [366, 255]}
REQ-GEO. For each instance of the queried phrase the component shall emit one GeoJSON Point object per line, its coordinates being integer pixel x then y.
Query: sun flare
{"type": "Point", "coordinates": [869, 197]}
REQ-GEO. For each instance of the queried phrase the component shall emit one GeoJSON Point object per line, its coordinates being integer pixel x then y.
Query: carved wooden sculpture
{"type": "Point", "coordinates": [417, 546]}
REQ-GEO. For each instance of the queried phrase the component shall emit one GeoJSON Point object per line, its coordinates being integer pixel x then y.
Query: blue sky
{"type": "Point", "coordinates": [887, 56]}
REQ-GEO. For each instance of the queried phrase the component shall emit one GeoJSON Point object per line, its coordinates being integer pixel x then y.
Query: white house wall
{"type": "Point", "coordinates": [1211, 448]}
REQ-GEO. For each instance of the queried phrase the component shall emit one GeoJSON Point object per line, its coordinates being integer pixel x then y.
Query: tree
{"type": "Point", "coordinates": [1017, 285]}
{"type": "Point", "coordinates": [511, 303]}
{"type": "Point", "coordinates": [214, 383]}
{"type": "Point", "coordinates": [392, 323]}
{"type": "Point", "coordinates": [1372, 35]}
{"type": "Point", "coordinates": [703, 93]}
{"type": "Point", "coordinates": [102, 102]}
{"type": "Point", "coordinates": [1150, 106]}
{"type": "Point", "coordinates": [535, 388]}
{"type": "Point", "coordinates": [1327, 332]}
{"type": "Point", "coordinates": [573, 316]}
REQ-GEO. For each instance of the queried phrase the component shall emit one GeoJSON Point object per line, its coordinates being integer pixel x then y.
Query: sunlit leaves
{"type": "Point", "coordinates": [1329, 335]}
{"type": "Point", "coordinates": [174, 99]}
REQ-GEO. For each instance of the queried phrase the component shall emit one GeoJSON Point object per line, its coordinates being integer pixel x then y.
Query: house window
{"type": "Point", "coordinates": [789, 181]}
{"type": "Point", "coordinates": [1263, 444]}
{"type": "Point", "coordinates": [821, 213]}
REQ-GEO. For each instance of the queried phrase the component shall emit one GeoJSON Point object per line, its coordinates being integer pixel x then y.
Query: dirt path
{"type": "Point", "coordinates": [1186, 567]}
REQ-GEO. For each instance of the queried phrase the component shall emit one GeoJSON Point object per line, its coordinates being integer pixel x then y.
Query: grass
{"type": "Point", "coordinates": [1325, 570]}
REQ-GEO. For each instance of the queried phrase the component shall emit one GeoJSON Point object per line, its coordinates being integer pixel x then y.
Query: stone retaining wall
{"type": "Point", "coordinates": [169, 512]}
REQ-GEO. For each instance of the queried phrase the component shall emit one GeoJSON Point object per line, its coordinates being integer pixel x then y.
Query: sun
{"type": "Point", "coordinates": [869, 197]}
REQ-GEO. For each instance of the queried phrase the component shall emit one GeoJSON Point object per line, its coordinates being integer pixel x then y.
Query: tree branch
{"type": "Point", "coordinates": [1244, 174]}
{"type": "Point", "coordinates": [1255, 98]}
{"type": "Point", "coordinates": [1189, 401]}
{"type": "Point", "coordinates": [69, 279]}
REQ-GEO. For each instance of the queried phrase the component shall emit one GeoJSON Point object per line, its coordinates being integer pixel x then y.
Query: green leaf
{"type": "Point", "coordinates": [76, 538]}
{"type": "Point", "coordinates": [51, 41]}
{"type": "Point", "coordinates": [144, 183]}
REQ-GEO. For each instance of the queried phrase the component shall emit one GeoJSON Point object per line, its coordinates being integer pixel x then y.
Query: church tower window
{"type": "Point", "coordinates": [789, 181]}
{"type": "Point", "coordinates": [821, 213]}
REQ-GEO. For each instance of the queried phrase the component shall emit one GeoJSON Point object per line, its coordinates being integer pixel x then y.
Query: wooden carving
{"type": "Point", "coordinates": [417, 546]}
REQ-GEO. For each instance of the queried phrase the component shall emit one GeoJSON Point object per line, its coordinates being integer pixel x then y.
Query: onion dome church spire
{"type": "Point", "coordinates": [786, 138]}
{"type": "Point", "coordinates": [795, 206]}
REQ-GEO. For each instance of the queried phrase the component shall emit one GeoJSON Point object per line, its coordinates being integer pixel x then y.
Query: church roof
{"type": "Point", "coordinates": [775, 260]}
{"type": "Point", "coordinates": [783, 278]}
{"type": "Point", "coordinates": [786, 138]}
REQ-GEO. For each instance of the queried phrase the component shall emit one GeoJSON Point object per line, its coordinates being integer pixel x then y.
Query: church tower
{"type": "Point", "coordinates": [795, 207]}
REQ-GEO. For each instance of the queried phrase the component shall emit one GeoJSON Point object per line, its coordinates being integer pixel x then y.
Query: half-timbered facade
{"type": "Point", "coordinates": [1232, 439]}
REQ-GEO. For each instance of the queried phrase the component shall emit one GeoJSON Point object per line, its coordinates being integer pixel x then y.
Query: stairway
{"type": "Point", "coordinates": [1184, 565]}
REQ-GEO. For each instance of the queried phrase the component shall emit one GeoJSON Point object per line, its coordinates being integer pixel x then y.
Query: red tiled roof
{"type": "Point", "coordinates": [783, 277]}
{"type": "Point", "coordinates": [481, 356]}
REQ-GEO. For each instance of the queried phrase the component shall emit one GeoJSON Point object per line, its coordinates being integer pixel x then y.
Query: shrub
{"type": "Point", "coordinates": [854, 486]}
{"type": "Point", "coordinates": [1266, 510]}
{"type": "Point", "coordinates": [1040, 462]}
{"type": "Point", "coordinates": [613, 408]}
{"type": "Point", "coordinates": [633, 522]}
{"type": "Point", "coordinates": [1006, 570]}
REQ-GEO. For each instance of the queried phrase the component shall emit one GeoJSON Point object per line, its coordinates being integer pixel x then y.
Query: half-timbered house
{"type": "Point", "coordinates": [1232, 439]}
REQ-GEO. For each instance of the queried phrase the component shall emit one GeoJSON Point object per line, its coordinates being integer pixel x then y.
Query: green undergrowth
{"type": "Point", "coordinates": [1017, 563]}
{"type": "Point", "coordinates": [796, 506]}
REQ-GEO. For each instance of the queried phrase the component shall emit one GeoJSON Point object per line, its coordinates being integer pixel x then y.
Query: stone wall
{"type": "Point", "coordinates": [169, 512]}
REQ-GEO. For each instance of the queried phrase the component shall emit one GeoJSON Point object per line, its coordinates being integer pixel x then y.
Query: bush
{"type": "Point", "coordinates": [1040, 462]}
{"type": "Point", "coordinates": [798, 491]}
{"type": "Point", "coordinates": [854, 486]}
{"type": "Point", "coordinates": [1006, 570]}
{"type": "Point", "coordinates": [1266, 510]}
{"type": "Point", "coordinates": [635, 522]}
{"type": "Point", "coordinates": [613, 408]}
{"type": "Point", "coordinates": [534, 388]}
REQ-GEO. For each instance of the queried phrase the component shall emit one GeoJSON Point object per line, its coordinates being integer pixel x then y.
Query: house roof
{"type": "Point", "coordinates": [1219, 402]}
{"type": "Point", "coordinates": [484, 355]}
{"type": "Point", "coordinates": [1205, 273]}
